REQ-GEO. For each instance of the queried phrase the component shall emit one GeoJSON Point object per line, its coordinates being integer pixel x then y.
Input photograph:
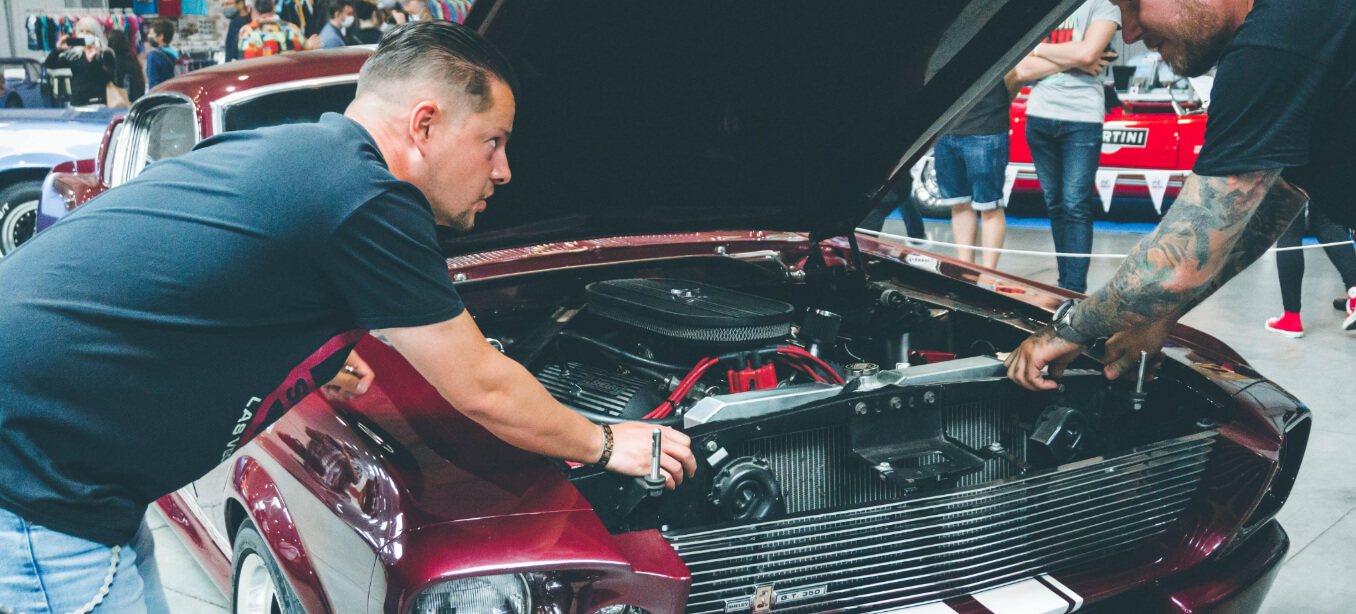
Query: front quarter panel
{"type": "Point", "coordinates": [68, 186]}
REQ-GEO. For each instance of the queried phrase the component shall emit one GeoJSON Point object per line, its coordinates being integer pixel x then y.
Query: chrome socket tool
{"type": "Point", "coordinates": [654, 482]}
{"type": "Point", "coordinates": [1137, 398]}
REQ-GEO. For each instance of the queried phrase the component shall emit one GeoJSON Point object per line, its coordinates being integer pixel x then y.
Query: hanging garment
{"type": "Point", "coordinates": [144, 7]}
{"type": "Point", "coordinates": [34, 42]}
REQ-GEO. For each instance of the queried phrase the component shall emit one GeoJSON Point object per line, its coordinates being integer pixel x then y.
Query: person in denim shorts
{"type": "Point", "coordinates": [1064, 127]}
{"type": "Point", "coordinates": [970, 160]}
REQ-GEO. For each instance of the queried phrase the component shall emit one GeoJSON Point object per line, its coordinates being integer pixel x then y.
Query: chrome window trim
{"type": "Point", "coordinates": [223, 104]}
{"type": "Point", "coordinates": [132, 140]}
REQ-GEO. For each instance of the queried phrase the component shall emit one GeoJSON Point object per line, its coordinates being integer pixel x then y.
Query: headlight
{"type": "Point", "coordinates": [506, 594]}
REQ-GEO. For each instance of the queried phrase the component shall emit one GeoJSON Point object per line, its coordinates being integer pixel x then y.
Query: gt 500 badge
{"type": "Point", "coordinates": [765, 598]}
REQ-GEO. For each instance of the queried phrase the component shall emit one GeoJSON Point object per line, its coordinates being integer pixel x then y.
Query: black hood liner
{"type": "Point", "coordinates": [641, 117]}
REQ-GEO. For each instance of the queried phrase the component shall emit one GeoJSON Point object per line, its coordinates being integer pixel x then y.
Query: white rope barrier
{"type": "Point", "coordinates": [910, 241]}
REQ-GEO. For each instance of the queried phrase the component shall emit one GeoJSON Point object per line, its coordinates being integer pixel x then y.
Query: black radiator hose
{"type": "Point", "coordinates": [674, 421]}
{"type": "Point", "coordinates": [623, 354]}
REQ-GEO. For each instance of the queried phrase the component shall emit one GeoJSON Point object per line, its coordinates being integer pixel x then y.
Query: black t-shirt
{"type": "Point", "coordinates": [1284, 98]}
{"type": "Point", "coordinates": [990, 115]}
{"type": "Point", "coordinates": [158, 328]}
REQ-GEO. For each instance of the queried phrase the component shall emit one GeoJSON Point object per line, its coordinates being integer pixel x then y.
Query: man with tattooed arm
{"type": "Point", "coordinates": [1282, 130]}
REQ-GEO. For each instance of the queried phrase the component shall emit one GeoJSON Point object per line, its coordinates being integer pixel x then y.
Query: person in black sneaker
{"type": "Point", "coordinates": [1282, 121]}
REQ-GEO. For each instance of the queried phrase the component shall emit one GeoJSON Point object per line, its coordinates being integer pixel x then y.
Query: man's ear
{"type": "Point", "coordinates": [421, 121]}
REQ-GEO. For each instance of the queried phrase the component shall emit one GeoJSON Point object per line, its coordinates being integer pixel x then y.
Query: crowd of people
{"type": "Point", "coordinates": [106, 70]}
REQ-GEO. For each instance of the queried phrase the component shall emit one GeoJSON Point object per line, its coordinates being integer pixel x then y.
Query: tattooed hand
{"type": "Point", "coordinates": [1042, 349]}
{"type": "Point", "coordinates": [1215, 229]}
{"type": "Point", "coordinates": [1123, 348]}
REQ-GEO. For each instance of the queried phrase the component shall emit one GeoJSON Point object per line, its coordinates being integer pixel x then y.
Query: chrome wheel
{"type": "Point", "coordinates": [18, 221]}
{"type": "Point", "coordinates": [255, 592]}
{"type": "Point", "coordinates": [927, 197]}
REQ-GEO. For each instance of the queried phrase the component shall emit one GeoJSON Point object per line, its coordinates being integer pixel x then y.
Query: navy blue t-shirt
{"type": "Point", "coordinates": [156, 329]}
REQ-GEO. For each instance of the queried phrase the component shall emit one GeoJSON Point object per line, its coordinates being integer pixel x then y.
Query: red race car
{"type": "Point", "coordinates": [1152, 135]}
{"type": "Point", "coordinates": [672, 246]}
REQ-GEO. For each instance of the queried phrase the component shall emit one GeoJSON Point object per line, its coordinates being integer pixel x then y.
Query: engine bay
{"type": "Point", "coordinates": [869, 393]}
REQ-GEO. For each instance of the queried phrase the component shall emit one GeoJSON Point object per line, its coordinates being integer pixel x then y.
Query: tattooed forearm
{"type": "Point", "coordinates": [1199, 240]}
{"type": "Point", "coordinates": [1282, 204]}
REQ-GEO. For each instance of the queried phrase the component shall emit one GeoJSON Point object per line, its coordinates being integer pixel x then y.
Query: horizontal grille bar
{"type": "Point", "coordinates": [945, 544]}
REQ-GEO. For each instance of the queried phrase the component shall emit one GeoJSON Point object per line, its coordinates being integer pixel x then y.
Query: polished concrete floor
{"type": "Point", "coordinates": [1319, 369]}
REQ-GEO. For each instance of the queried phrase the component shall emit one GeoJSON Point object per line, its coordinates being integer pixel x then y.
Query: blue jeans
{"type": "Point", "coordinates": [47, 572]}
{"type": "Point", "coordinates": [1066, 155]}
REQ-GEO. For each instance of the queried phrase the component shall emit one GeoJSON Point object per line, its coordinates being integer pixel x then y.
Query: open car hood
{"type": "Point", "coordinates": [658, 117]}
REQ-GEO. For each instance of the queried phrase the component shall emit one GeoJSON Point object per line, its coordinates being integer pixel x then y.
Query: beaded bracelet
{"type": "Point", "coordinates": [607, 446]}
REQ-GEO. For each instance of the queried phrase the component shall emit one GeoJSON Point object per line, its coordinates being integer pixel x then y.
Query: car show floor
{"type": "Point", "coordinates": [1321, 513]}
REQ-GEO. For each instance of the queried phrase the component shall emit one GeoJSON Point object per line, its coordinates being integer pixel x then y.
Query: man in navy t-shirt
{"type": "Point", "coordinates": [154, 331]}
{"type": "Point", "coordinates": [1282, 123]}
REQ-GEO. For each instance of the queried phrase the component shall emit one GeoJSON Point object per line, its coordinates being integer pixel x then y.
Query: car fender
{"type": "Point", "coordinates": [266, 508]}
{"type": "Point", "coordinates": [69, 185]}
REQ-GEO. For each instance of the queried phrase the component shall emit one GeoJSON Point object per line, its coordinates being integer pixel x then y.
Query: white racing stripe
{"type": "Point", "coordinates": [1028, 596]}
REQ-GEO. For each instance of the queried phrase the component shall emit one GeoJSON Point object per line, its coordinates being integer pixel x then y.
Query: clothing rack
{"type": "Point", "coordinates": [46, 25]}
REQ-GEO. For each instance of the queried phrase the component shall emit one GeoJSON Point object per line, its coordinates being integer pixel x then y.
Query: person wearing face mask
{"type": "Point", "coordinates": [160, 61]}
{"type": "Point", "coordinates": [341, 18]}
{"type": "Point", "coordinates": [92, 64]}
{"type": "Point", "coordinates": [239, 14]}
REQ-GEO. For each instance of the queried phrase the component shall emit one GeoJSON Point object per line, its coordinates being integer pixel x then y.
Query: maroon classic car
{"type": "Point", "coordinates": [676, 246]}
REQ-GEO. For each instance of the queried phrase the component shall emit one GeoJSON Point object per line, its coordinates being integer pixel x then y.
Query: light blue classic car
{"type": "Point", "coordinates": [32, 141]}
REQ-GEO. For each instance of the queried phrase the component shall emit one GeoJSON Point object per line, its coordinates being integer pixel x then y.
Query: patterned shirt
{"type": "Point", "coordinates": [269, 36]}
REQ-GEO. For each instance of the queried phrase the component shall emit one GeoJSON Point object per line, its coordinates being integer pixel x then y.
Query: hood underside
{"type": "Point", "coordinates": [645, 117]}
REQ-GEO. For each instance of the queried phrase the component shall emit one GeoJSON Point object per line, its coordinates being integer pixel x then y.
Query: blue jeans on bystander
{"type": "Point", "coordinates": [47, 572]}
{"type": "Point", "coordinates": [1066, 155]}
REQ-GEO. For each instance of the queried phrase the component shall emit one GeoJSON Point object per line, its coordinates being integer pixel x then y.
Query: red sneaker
{"type": "Point", "coordinates": [1350, 322]}
{"type": "Point", "coordinates": [1288, 325]}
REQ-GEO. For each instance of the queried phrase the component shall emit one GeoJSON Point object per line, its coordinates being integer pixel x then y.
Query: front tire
{"type": "Point", "coordinates": [927, 197]}
{"type": "Point", "coordinates": [257, 585]}
{"type": "Point", "coordinates": [18, 214]}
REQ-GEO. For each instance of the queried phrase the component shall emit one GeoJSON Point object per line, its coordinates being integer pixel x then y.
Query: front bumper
{"type": "Point", "coordinates": [1234, 584]}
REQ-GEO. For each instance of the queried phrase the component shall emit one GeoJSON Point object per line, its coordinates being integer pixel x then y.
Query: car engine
{"type": "Point", "coordinates": [794, 408]}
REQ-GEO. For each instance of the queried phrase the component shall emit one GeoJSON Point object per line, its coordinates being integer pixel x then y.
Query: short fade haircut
{"type": "Point", "coordinates": [439, 52]}
{"type": "Point", "coordinates": [264, 7]}
{"type": "Point", "coordinates": [165, 28]}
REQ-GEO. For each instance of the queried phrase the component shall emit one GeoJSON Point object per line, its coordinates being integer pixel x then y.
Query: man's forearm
{"type": "Point", "coordinates": [1210, 234]}
{"type": "Point", "coordinates": [521, 412]}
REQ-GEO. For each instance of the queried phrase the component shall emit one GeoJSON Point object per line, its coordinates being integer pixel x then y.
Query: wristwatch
{"type": "Point", "coordinates": [1063, 324]}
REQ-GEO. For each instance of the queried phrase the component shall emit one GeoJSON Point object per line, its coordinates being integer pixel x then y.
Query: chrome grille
{"type": "Point", "coordinates": [950, 544]}
{"type": "Point", "coordinates": [817, 470]}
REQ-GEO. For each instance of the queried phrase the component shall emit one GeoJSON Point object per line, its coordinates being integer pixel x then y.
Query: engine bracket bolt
{"type": "Point", "coordinates": [720, 250]}
{"type": "Point", "coordinates": [860, 408]}
{"type": "Point", "coordinates": [929, 397]}
{"type": "Point", "coordinates": [459, 277]}
{"type": "Point", "coordinates": [996, 447]}
{"type": "Point", "coordinates": [712, 446]}
{"type": "Point", "coordinates": [896, 403]}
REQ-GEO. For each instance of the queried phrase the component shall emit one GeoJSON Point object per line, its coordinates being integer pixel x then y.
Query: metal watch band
{"type": "Point", "coordinates": [1064, 324]}
{"type": "Point", "coordinates": [607, 446]}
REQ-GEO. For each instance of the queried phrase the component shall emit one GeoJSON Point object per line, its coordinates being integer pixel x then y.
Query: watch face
{"type": "Point", "coordinates": [1063, 309]}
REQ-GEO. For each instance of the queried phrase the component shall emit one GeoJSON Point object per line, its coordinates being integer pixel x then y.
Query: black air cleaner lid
{"type": "Point", "coordinates": [687, 303]}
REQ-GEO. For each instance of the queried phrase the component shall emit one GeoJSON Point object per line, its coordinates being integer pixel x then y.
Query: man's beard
{"type": "Point", "coordinates": [1200, 40]}
{"type": "Point", "coordinates": [463, 222]}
